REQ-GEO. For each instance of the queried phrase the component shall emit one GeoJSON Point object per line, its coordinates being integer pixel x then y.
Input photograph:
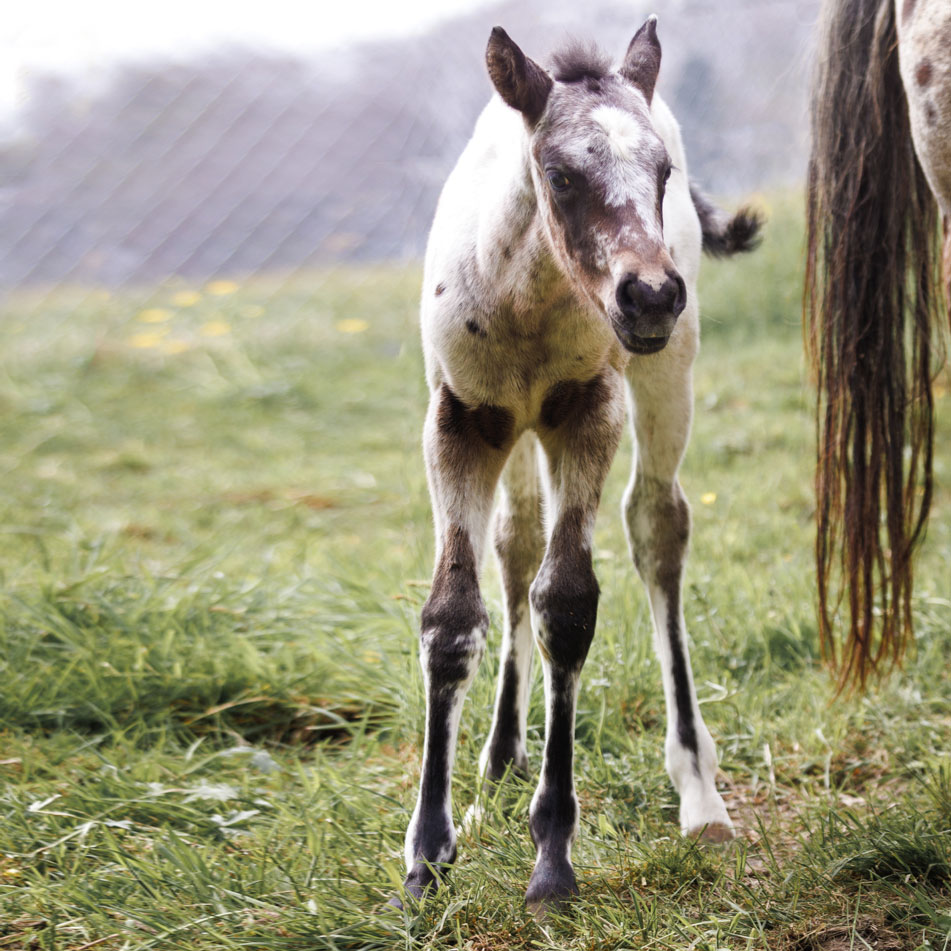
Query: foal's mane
{"type": "Point", "coordinates": [579, 60]}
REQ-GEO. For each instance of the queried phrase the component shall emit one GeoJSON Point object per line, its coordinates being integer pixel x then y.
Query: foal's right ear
{"type": "Point", "coordinates": [522, 83]}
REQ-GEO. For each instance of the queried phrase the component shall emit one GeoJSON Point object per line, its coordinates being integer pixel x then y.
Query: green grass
{"type": "Point", "coordinates": [214, 544]}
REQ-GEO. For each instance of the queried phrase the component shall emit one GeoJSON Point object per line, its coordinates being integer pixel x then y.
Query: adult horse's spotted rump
{"type": "Point", "coordinates": [879, 180]}
{"type": "Point", "coordinates": [560, 275]}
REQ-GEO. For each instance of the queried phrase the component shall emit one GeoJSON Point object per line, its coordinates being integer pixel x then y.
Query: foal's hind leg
{"type": "Point", "coordinates": [519, 545]}
{"type": "Point", "coordinates": [465, 450]}
{"type": "Point", "coordinates": [658, 526]}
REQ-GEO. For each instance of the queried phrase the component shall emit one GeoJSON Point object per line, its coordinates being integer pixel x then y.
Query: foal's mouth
{"type": "Point", "coordinates": [642, 346]}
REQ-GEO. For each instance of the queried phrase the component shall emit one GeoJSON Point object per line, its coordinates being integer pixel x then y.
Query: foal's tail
{"type": "Point", "coordinates": [872, 301]}
{"type": "Point", "coordinates": [724, 235]}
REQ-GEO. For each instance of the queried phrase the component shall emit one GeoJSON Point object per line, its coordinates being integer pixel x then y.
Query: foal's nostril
{"type": "Point", "coordinates": [628, 295]}
{"type": "Point", "coordinates": [680, 293]}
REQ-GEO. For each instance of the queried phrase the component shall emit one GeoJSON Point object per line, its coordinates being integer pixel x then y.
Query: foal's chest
{"type": "Point", "coordinates": [513, 360]}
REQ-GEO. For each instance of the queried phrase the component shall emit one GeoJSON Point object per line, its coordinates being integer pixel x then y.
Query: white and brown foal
{"type": "Point", "coordinates": [560, 284]}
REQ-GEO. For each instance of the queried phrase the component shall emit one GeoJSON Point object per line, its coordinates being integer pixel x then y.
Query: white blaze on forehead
{"type": "Point", "coordinates": [631, 177]}
{"type": "Point", "coordinates": [622, 129]}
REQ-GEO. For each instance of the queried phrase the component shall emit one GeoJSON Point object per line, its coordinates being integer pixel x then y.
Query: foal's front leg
{"type": "Point", "coordinates": [658, 526]}
{"type": "Point", "coordinates": [465, 450]}
{"type": "Point", "coordinates": [582, 424]}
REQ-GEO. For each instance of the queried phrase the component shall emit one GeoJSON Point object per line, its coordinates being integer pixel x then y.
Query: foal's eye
{"type": "Point", "coordinates": [559, 181]}
{"type": "Point", "coordinates": [670, 168]}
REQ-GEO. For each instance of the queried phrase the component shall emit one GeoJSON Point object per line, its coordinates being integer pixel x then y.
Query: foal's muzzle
{"type": "Point", "coordinates": [647, 314]}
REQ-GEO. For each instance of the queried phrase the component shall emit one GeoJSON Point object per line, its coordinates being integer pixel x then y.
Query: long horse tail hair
{"type": "Point", "coordinates": [872, 301]}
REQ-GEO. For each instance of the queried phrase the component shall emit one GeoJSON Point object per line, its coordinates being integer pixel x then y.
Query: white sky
{"type": "Point", "coordinates": [86, 35]}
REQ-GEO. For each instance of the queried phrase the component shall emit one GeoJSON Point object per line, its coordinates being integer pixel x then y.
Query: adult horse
{"type": "Point", "coordinates": [560, 281]}
{"type": "Point", "coordinates": [879, 177]}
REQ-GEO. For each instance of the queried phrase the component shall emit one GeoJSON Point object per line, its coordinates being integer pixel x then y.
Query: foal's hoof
{"type": "Point", "coordinates": [704, 816]}
{"type": "Point", "coordinates": [550, 888]}
{"type": "Point", "coordinates": [714, 833]}
{"type": "Point", "coordinates": [497, 768]}
{"type": "Point", "coordinates": [413, 897]}
{"type": "Point", "coordinates": [421, 879]}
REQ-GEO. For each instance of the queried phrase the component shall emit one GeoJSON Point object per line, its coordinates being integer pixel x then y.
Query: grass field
{"type": "Point", "coordinates": [214, 546]}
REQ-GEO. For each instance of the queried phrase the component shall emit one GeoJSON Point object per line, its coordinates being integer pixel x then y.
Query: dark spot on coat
{"type": "Point", "coordinates": [908, 7]}
{"type": "Point", "coordinates": [440, 289]}
{"type": "Point", "coordinates": [452, 417]}
{"type": "Point", "coordinates": [490, 424]}
{"type": "Point", "coordinates": [571, 399]}
{"type": "Point", "coordinates": [474, 328]}
{"type": "Point", "coordinates": [507, 253]}
{"type": "Point", "coordinates": [931, 114]}
{"type": "Point", "coordinates": [494, 424]}
{"type": "Point", "coordinates": [923, 73]}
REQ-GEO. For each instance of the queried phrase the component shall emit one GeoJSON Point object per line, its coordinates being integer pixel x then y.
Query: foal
{"type": "Point", "coordinates": [561, 270]}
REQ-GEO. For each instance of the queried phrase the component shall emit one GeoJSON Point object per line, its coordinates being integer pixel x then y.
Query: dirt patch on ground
{"type": "Point", "coordinates": [864, 932]}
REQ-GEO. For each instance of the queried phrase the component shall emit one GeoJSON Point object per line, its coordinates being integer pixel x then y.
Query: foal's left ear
{"type": "Point", "coordinates": [521, 82]}
{"type": "Point", "coordinates": [642, 62]}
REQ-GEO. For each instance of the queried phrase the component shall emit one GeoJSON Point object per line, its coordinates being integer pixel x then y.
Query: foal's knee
{"type": "Point", "coordinates": [564, 597]}
{"type": "Point", "coordinates": [454, 619]}
{"type": "Point", "coordinates": [657, 517]}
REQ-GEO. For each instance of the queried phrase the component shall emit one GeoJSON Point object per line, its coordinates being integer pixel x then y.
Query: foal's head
{"type": "Point", "coordinates": [599, 170]}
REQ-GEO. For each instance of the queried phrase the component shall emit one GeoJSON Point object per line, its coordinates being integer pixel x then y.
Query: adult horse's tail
{"type": "Point", "coordinates": [872, 302]}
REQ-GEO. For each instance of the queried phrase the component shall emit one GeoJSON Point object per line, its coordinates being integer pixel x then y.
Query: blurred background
{"type": "Point", "coordinates": [206, 141]}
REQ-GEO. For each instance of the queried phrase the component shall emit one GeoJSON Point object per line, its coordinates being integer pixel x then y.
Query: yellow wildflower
{"type": "Point", "coordinates": [155, 315]}
{"type": "Point", "coordinates": [708, 498]}
{"type": "Point", "coordinates": [147, 340]}
{"type": "Point", "coordinates": [221, 288]}
{"type": "Point", "coordinates": [186, 298]}
{"type": "Point", "coordinates": [215, 328]}
{"type": "Point", "coordinates": [352, 325]}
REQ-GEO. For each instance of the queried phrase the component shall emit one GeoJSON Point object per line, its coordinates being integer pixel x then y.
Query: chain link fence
{"type": "Point", "coordinates": [247, 163]}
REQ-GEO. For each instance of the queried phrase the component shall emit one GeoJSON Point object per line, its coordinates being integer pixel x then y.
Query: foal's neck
{"type": "Point", "coordinates": [515, 253]}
